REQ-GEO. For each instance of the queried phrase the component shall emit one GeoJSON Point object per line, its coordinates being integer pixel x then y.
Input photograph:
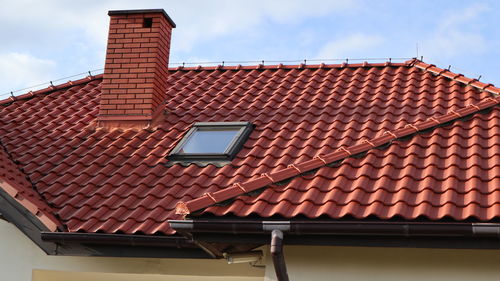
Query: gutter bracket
{"type": "Point", "coordinates": [486, 229]}
{"type": "Point", "coordinates": [276, 225]}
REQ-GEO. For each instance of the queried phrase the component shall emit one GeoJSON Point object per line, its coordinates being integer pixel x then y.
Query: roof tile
{"type": "Point", "coordinates": [120, 181]}
{"type": "Point", "coordinates": [448, 172]}
{"type": "Point", "coordinates": [14, 183]}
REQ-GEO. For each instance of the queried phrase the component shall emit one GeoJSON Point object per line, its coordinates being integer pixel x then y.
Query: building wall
{"type": "Point", "coordinates": [22, 260]}
{"type": "Point", "coordinates": [387, 264]}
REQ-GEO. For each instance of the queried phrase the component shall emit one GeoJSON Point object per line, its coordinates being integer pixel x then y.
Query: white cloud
{"type": "Point", "coordinates": [455, 18]}
{"type": "Point", "coordinates": [53, 18]}
{"type": "Point", "coordinates": [350, 46]}
{"type": "Point", "coordinates": [196, 20]}
{"type": "Point", "coordinates": [211, 19]}
{"type": "Point", "coordinates": [17, 69]}
{"type": "Point", "coordinates": [457, 34]}
{"type": "Point", "coordinates": [72, 33]}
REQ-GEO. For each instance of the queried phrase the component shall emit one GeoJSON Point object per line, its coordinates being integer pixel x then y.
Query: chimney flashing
{"type": "Point", "coordinates": [143, 11]}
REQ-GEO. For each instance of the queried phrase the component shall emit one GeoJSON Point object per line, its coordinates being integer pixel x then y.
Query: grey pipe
{"type": "Point", "coordinates": [277, 255]}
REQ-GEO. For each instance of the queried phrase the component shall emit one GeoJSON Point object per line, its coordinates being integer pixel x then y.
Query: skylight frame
{"type": "Point", "coordinates": [234, 146]}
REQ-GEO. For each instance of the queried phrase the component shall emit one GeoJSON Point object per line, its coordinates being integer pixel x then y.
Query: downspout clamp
{"type": "Point", "coordinates": [277, 255]}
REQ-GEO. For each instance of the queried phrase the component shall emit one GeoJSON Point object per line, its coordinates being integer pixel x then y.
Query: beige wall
{"type": "Point", "coordinates": [388, 264]}
{"type": "Point", "coordinates": [20, 258]}
{"type": "Point", "coordinates": [51, 275]}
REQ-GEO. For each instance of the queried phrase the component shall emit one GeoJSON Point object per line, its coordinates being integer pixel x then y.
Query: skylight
{"type": "Point", "coordinates": [207, 141]}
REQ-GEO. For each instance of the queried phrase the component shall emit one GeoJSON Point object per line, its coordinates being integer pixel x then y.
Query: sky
{"type": "Point", "coordinates": [49, 40]}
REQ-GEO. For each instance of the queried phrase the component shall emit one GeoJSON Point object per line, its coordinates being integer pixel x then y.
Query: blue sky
{"type": "Point", "coordinates": [50, 39]}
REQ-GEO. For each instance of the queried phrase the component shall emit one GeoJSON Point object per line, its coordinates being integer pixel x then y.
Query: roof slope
{"type": "Point", "coordinates": [452, 172]}
{"type": "Point", "coordinates": [14, 182]}
{"type": "Point", "coordinates": [120, 181]}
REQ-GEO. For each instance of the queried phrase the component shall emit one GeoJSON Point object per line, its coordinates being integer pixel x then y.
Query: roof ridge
{"type": "Point", "coordinates": [291, 66]}
{"type": "Point", "coordinates": [89, 78]}
{"type": "Point", "coordinates": [13, 190]}
{"type": "Point", "coordinates": [490, 88]}
{"type": "Point", "coordinates": [294, 170]}
{"type": "Point", "coordinates": [412, 62]}
{"type": "Point", "coordinates": [51, 88]}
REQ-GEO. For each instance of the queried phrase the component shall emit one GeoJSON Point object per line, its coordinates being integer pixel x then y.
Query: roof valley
{"type": "Point", "coordinates": [24, 192]}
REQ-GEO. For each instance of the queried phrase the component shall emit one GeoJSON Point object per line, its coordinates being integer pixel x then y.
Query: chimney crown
{"type": "Point", "coordinates": [143, 11]}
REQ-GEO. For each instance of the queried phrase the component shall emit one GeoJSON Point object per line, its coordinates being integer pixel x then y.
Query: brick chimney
{"type": "Point", "coordinates": [135, 73]}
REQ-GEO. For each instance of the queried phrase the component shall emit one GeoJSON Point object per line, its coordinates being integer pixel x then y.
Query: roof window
{"type": "Point", "coordinates": [212, 141]}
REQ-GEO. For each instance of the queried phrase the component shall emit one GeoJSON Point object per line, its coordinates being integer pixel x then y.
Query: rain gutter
{"type": "Point", "coordinates": [122, 245]}
{"type": "Point", "coordinates": [117, 239]}
{"type": "Point", "coordinates": [406, 229]}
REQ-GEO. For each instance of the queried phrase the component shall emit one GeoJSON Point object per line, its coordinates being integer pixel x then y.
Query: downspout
{"type": "Point", "coordinates": [277, 255]}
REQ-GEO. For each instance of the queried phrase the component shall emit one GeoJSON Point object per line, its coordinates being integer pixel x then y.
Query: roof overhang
{"type": "Point", "coordinates": [25, 221]}
{"type": "Point", "coordinates": [95, 244]}
{"type": "Point", "coordinates": [123, 245]}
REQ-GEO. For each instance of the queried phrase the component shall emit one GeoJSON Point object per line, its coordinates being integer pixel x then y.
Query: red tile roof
{"type": "Point", "coordinates": [17, 186]}
{"type": "Point", "coordinates": [120, 181]}
{"type": "Point", "coordinates": [451, 171]}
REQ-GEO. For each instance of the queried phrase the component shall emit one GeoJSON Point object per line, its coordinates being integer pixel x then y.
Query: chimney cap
{"type": "Point", "coordinates": [142, 11]}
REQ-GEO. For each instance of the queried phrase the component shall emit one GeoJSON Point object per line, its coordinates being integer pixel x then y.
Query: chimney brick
{"type": "Point", "coordinates": [135, 72]}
